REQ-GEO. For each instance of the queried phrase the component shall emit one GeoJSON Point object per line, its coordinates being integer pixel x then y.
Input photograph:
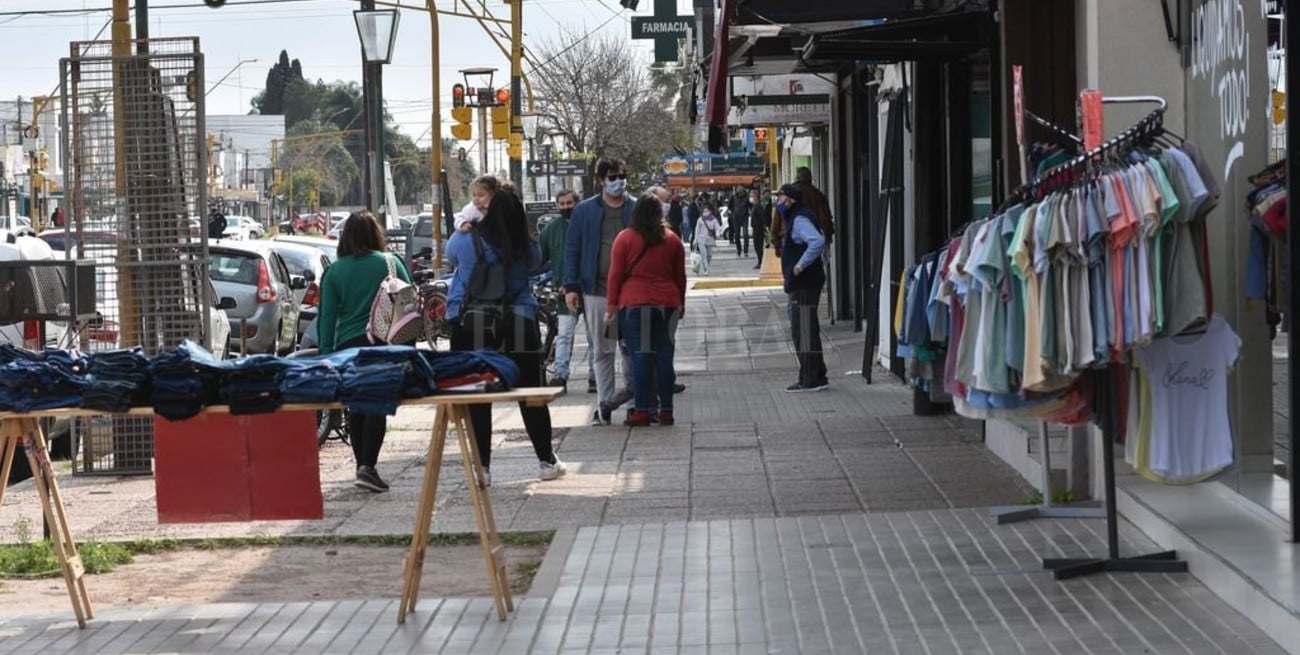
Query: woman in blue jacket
{"type": "Point", "coordinates": [502, 238]}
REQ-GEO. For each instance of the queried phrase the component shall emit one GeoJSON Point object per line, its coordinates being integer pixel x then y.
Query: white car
{"type": "Point", "coordinates": [243, 228]}
{"type": "Point", "coordinates": [19, 226]}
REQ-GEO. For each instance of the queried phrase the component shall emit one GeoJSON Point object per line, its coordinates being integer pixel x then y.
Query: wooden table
{"type": "Point", "coordinates": [452, 410]}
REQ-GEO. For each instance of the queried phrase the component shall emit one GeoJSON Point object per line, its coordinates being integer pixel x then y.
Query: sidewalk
{"type": "Point", "coordinates": [762, 522]}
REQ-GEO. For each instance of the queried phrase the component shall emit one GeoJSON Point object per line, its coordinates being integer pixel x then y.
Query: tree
{"type": "Point", "coordinates": [308, 146]}
{"type": "Point", "coordinates": [601, 97]}
{"type": "Point", "coordinates": [271, 100]}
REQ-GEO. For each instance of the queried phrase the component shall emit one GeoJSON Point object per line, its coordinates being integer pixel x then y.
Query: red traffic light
{"type": "Point", "coordinates": [503, 96]}
{"type": "Point", "coordinates": [458, 95]}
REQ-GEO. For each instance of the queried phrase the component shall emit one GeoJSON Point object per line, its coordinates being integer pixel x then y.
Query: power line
{"type": "Point", "coordinates": [99, 10]}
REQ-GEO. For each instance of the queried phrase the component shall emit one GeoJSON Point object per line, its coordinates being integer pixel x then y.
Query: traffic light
{"type": "Point", "coordinates": [462, 129]}
{"type": "Point", "coordinates": [760, 134]}
{"type": "Point", "coordinates": [514, 151]}
{"type": "Point", "coordinates": [458, 95]}
{"type": "Point", "coordinates": [501, 122]}
{"type": "Point", "coordinates": [503, 97]}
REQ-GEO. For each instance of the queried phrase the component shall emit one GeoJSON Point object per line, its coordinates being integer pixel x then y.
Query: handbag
{"type": "Point", "coordinates": [395, 312]}
{"type": "Point", "coordinates": [696, 261]}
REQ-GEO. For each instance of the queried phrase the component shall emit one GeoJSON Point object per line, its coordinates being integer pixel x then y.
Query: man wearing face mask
{"type": "Point", "coordinates": [552, 241]}
{"type": "Point", "coordinates": [804, 276]}
{"type": "Point", "coordinates": [588, 250]}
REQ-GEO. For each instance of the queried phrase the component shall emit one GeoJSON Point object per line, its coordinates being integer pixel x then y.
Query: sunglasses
{"type": "Point", "coordinates": [611, 178]}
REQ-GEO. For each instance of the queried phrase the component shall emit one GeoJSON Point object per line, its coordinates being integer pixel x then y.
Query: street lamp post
{"type": "Point", "coordinates": [528, 122]}
{"type": "Point", "coordinates": [480, 93]}
{"type": "Point", "coordinates": [377, 29]}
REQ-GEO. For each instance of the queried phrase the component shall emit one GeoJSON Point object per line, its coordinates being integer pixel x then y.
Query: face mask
{"type": "Point", "coordinates": [615, 187]}
{"type": "Point", "coordinates": [782, 209]}
{"type": "Point", "coordinates": [566, 212]}
{"type": "Point", "coordinates": [666, 207]}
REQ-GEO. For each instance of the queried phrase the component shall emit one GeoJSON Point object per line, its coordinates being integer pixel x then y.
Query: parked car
{"type": "Point", "coordinates": [309, 264]}
{"type": "Point", "coordinates": [422, 235]}
{"type": "Point", "coordinates": [337, 228]}
{"type": "Point", "coordinates": [243, 228]}
{"type": "Point", "coordinates": [257, 278]}
{"type": "Point", "coordinates": [19, 226]}
{"type": "Point", "coordinates": [329, 248]}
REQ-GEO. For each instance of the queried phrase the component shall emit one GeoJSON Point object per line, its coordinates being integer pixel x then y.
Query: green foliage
{"type": "Point", "coordinates": [1059, 497]}
{"type": "Point", "coordinates": [36, 559]}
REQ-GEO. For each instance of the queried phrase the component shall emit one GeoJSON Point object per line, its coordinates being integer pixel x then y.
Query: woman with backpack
{"type": "Point", "coordinates": [347, 291]}
{"type": "Point", "coordinates": [647, 291]}
{"type": "Point", "coordinates": [491, 306]}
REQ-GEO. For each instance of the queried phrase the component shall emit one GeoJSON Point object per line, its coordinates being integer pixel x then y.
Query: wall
{"type": "Point", "coordinates": [1123, 51]}
{"type": "Point", "coordinates": [1227, 91]}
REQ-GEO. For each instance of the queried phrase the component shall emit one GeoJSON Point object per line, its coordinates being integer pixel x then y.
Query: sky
{"type": "Point", "coordinates": [320, 33]}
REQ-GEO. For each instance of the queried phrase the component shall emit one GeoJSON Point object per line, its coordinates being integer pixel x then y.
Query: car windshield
{"type": "Point", "coordinates": [424, 227]}
{"type": "Point", "coordinates": [297, 260]}
{"type": "Point", "coordinates": [234, 267]}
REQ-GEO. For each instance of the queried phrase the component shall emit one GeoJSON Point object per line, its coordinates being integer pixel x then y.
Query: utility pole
{"type": "Point", "coordinates": [483, 140]}
{"type": "Point", "coordinates": [435, 201]}
{"type": "Point", "coordinates": [516, 72]}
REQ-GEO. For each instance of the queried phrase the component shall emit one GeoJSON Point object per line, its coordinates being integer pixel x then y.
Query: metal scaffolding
{"type": "Point", "coordinates": [136, 177]}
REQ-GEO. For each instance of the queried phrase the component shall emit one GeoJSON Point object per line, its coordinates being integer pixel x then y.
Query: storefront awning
{"type": "Point", "coordinates": [704, 180]}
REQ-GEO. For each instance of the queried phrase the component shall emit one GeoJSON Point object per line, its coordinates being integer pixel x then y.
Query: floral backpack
{"type": "Point", "coordinates": [395, 312]}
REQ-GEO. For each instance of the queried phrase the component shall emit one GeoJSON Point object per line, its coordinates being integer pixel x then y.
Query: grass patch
{"type": "Point", "coordinates": [524, 574]}
{"type": "Point", "coordinates": [31, 558]}
{"type": "Point", "coordinates": [1059, 497]}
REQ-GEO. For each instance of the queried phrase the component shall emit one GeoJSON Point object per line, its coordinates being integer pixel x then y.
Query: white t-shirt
{"type": "Point", "coordinates": [470, 214]}
{"type": "Point", "coordinates": [1188, 379]}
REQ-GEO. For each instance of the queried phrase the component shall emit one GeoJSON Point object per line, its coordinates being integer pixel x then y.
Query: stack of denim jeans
{"type": "Point", "coordinates": [116, 380]}
{"type": "Point", "coordinates": [183, 382]}
{"type": "Point", "coordinates": [30, 381]}
{"type": "Point", "coordinates": [374, 388]}
{"type": "Point", "coordinates": [419, 380]}
{"type": "Point", "coordinates": [251, 385]}
{"type": "Point", "coordinates": [457, 363]}
{"type": "Point", "coordinates": [313, 380]}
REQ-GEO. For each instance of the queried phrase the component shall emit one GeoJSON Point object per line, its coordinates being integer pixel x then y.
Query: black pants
{"type": "Point", "coordinates": [520, 340]}
{"type": "Point", "coordinates": [758, 245]}
{"type": "Point", "coordinates": [807, 334]}
{"type": "Point", "coordinates": [365, 431]}
{"type": "Point", "coordinates": [740, 237]}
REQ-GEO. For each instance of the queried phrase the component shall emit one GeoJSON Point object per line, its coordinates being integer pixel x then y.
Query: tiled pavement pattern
{"type": "Point", "coordinates": [762, 522]}
{"type": "Point", "coordinates": [942, 581]}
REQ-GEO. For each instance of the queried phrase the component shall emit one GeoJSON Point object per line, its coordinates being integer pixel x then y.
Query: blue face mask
{"type": "Point", "coordinates": [782, 209]}
{"type": "Point", "coordinates": [615, 187]}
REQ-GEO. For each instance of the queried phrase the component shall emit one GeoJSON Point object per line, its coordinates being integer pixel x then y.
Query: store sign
{"type": "Point", "coordinates": [570, 167]}
{"type": "Point", "coordinates": [780, 100]}
{"type": "Point", "coordinates": [665, 28]}
{"type": "Point", "coordinates": [784, 114]}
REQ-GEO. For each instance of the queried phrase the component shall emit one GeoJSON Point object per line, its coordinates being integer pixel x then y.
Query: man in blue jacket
{"type": "Point", "coordinates": [805, 276]}
{"type": "Point", "coordinates": [588, 248]}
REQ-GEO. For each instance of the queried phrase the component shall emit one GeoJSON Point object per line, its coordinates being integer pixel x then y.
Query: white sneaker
{"type": "Point", "coordinates": [552, 471]}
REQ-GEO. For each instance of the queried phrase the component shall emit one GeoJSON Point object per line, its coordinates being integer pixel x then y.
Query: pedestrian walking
{"type": "Point", "coordinates": [647, 294]}
{"type": "Point", "coordinates": [347, 290]}
{"type": "Point", "coordinates": [551, 241]}
{"type": "Point", "coordinates": [804, 276]}
{"type": "Point", "coordinates": [506, 324]}
{"type": "Point", "coordinates": [675, 215]}
{"type": "Point", "coordinates": [588, 252]}
{"type": "Point", "coordinates": [706, 237]}
{"type": "Point", "coordinates": [739, 221]}
{"type": "Point", "coordinates": [759, 213]}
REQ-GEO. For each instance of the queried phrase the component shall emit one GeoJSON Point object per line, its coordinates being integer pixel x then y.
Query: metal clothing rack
{"type": "Point", "coordinates": [1070, 567]}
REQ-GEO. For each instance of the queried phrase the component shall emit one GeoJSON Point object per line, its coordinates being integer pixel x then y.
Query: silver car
{"type": "Point", "coordinates": [265, 316]}
{"type": "Point", "coordinates": [309, 264]}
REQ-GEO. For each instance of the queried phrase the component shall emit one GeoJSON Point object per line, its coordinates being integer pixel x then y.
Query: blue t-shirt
{"type": "Point", "coordinates": [462, 256]}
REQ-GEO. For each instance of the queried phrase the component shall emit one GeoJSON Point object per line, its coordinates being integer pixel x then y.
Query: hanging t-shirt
{"type": "Point", "coordinates": [1190, 436]}
{"type": "Point", "coordinates": [1185, 301]}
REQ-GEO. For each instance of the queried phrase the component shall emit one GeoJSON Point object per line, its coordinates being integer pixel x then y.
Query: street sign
{"type": "Point", "coordinates": [665, 27]}
{"type": "Point", "coordinates": [536, 168]}
{"type": "Point", "coordinates": [570, 167]}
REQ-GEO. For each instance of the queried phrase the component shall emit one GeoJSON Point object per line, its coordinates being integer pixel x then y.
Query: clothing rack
{"type": "Point", "coordinates": [1159, 562]}
{"type": "Point", "coordinates": [1046, 509]}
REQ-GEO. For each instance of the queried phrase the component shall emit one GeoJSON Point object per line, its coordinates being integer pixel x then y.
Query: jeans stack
{"type": "Point", "coordinates": [374, 388]}
{"type": "Point", "coordinates": [454, 364]}
{"type": "Point", "coordinates": [183, 382]}
{"type": "Point", "coordinates": [32, 382]}
{"type": "Point", "coordinates": [116, 380]}
{"type": "Point", "coordinates": [311, 381]}
{"type": "Point", "coordinates": [251, 385]}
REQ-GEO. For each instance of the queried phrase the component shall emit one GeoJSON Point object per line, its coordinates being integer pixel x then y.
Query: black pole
{"type": "Point", "coordinates": [367, 119]}
{"type": "Point", "coordinates": [142, 25]}
{"type": "Point", "coordinates": [1292, 35]}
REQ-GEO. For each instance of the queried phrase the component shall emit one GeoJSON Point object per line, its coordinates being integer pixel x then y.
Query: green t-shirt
{"type": "Point", "coordinates": [347, 290]}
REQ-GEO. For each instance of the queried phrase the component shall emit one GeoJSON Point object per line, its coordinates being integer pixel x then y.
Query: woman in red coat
{"type": "Point", "coordinates": [647, 294]}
